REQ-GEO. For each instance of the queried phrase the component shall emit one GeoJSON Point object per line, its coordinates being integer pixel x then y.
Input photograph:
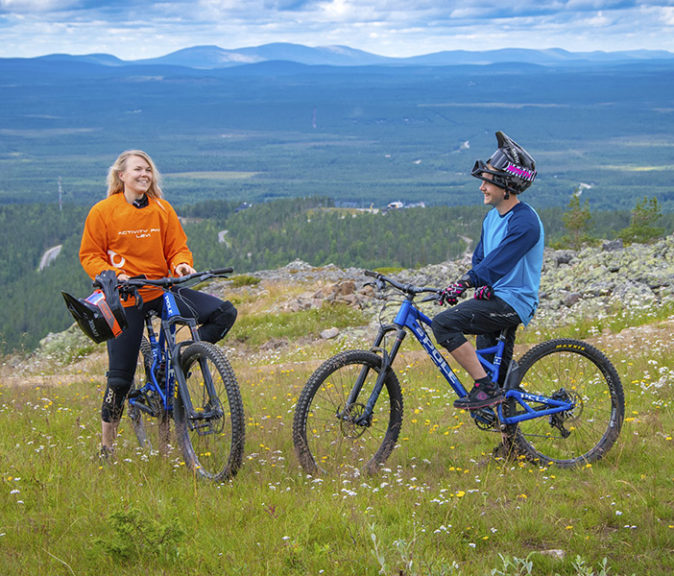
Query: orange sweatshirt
{"type": "Point", "coordinates": [135, 241]}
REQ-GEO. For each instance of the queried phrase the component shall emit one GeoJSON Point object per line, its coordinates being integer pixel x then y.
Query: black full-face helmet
{"type": "Point", "coordinates": [100, 315]}
{"type": "Point", "coordinates": [511, 166]}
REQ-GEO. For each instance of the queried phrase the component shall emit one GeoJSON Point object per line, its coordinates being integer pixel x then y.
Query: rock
{"type": "Point", "coordinates": [563, 257]}
{"type": "Point", "coordinates": [554, 553]}
{"type": "Point", "coordinates": [571, 299]}
{"type": "Point", "coordinates": [330, 333]}
{"type": "Point", "coordinates": [612, 245]}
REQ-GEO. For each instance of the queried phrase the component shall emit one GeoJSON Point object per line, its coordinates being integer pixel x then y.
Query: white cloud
{"type": "Point", "coordinates": [137, 29]}
{"type": "Point", "coordinates": [19, 6]}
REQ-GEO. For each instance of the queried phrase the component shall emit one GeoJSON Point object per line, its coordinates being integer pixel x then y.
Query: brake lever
{"type": "Point", "coordinates": [433, 298]}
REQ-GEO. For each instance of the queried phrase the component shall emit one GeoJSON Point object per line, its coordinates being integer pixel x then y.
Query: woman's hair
{"type": "Point", "coordinates": [115, 184]}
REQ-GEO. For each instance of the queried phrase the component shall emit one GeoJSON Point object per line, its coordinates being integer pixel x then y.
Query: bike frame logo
{"type": "Point", "coordinates": [432, 350]}
{"type": "Point", "coordinates": [170, 305]}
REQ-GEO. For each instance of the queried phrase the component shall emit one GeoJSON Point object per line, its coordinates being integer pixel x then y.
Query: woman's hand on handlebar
{"type": "Point", "coordinates": [184, 269]}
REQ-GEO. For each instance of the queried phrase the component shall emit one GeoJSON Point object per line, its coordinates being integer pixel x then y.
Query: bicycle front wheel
{"type": "Point", "coordinates": [212, 433]}
{"type": "Point", "coordinates": [331, 435]}
{"type": "Point", "coordinates": [573, 371]}
{"type": "Point", "coordinates": [151, 422]}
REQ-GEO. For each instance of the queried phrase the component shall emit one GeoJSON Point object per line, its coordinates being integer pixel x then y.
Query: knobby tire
{"type": "Point", "coordinates": [326, 437]}
{"type": "Point", "coordinates": [579, 371]}
{"type": "Point", "coordinates": [212, 447]}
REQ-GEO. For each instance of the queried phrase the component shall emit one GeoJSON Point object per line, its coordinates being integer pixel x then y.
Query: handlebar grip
{"type": "Point", "coordinates": [218, 271]}
{"type": "Point", "coordinates": [370, 273]}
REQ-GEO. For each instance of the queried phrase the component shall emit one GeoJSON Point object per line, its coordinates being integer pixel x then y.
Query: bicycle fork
{"type": "Point", "coordinates": [364, 418]}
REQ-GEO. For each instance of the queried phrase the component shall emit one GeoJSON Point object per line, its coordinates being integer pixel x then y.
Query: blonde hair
{"type": "Point", "coordinates": [115, 184]}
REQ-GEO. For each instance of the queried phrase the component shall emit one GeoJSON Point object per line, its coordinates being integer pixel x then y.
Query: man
{"type": "Point", "coordinates": [506, 270]}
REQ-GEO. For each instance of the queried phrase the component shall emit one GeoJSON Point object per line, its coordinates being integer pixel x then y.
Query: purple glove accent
{"type": "Point", "coordinates": [483, 293]}
{"type": "Point", "coordinates": [450, 295]}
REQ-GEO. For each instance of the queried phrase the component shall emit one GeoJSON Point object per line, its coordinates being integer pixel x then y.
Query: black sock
{"type": "Point", "coordinates": [484, 381]}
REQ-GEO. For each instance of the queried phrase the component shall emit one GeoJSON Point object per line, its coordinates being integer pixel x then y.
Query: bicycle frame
{"type": "Point", "coordinates": [166, 350]}
{"type": "Point", "coordinates": [411, 318]}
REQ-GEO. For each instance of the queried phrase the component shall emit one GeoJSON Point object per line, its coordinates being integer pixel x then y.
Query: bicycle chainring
{"type": "Point", "coordinates": [484, 419]}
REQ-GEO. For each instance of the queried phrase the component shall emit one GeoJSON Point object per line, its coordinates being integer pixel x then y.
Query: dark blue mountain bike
{"type": "Point", "coordinates": [189, 381]}
{"type": "Point", "coordinates": [564, 402]}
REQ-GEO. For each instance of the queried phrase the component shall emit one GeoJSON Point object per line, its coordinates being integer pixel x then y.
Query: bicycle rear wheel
{"type": "Point", "coordinates": [152, 426]}
{"type": "Point", "coordinates": [327, 435]}
{"type": "Point", "coordinates": [212, 437]}
{"type": "Point", "coordinates": [569, 370]}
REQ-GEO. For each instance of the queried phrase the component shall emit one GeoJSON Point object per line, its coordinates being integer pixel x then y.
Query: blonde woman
{"type": "Point", "coordinates": [135, 231]}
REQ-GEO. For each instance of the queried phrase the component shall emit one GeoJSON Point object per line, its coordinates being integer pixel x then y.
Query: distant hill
{"type": "Point", "coordinates": [212, 57]}
{"type": "Point", "coordinates": [288, 121]}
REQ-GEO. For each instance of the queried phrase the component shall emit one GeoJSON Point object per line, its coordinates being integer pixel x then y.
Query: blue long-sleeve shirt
{"type": "Point", "coordinates": [509, 258]}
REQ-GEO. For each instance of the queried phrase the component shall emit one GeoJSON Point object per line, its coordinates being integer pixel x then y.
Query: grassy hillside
{"type": "Point", "coordinates": [442, 506]}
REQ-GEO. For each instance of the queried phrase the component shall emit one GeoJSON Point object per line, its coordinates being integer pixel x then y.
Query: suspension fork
{"type": "Point", "coordinates": [387, 360]}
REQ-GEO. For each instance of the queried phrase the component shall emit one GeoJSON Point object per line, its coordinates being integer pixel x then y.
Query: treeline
{"type": "Point", "coordinates": [272, 234]}
{"type": "Point", "coordinates": [30, 301]}
{"type": "Point", "coordinates": [248, 238]}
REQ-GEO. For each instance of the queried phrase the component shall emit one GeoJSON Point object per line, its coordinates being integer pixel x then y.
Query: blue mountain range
{"type": "Point", "coordinates": [212, 57]}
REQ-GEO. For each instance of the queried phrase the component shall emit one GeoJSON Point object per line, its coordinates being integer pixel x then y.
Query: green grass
{"type": "Point", "coordinates": [244, 280]}
{"type": "Point", "coordinates": [258, 329]}
{"type": "Point", "coordinates": [440, 507]}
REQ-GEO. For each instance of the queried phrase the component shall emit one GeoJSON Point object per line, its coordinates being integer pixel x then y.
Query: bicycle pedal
{"type": "Point", "coordinates": [484, 418]}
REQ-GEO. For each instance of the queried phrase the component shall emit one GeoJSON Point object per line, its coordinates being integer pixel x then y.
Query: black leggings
{"type": "Point", "coordinates": [215, 316]}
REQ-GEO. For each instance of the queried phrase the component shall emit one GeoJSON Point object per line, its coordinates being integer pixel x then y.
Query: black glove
{"type": "Point", "coordinates": [483, 293]}
{"type": "Point", "coordinates": [450, 295]}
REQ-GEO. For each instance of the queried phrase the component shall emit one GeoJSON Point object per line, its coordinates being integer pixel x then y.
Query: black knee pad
{"type": "Point", "coordinates": [113, 399]}
{"type": "Point", "coordinates": [218, 323]}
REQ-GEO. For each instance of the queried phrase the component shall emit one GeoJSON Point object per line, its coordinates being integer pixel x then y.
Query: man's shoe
{"type": "Point", "coordinates": [481, 396]}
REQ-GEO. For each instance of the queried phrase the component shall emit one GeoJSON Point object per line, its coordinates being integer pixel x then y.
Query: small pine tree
{"type": "Point", "coordinates": [643, 221]}
{"type": "Point", "coordinates": [577, 221]}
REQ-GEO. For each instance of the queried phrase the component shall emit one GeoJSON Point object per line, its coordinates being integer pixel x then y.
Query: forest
{"type": "Point", "coordinates": [359, 135]}
{"type": "Point", "coordinates": [247, 237]}
{"type": "Point", "coordinates": [280, 161]}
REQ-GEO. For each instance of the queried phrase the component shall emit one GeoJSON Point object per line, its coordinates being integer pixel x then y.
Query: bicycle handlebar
{"type": "Point", "coordinates": [406, 288]}
{"type": "Point", "coordinates": [139, 281]}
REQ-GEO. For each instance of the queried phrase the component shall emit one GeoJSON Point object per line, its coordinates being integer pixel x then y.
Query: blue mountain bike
{"type": "Point", "coordinates": [564, 402]}
{"type": "Point", "coordinates": [190, 382]}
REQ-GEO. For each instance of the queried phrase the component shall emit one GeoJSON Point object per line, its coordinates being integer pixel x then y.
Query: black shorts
{"type": "Point", "coordinates": [485, 317]}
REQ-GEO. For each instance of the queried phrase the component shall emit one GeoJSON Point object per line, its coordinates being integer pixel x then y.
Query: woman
{"type": "Point", "coordinates": [135, 231]}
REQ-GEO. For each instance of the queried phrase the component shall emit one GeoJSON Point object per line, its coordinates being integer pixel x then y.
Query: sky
{"type": "Point", "coordinates": [135, 29]}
